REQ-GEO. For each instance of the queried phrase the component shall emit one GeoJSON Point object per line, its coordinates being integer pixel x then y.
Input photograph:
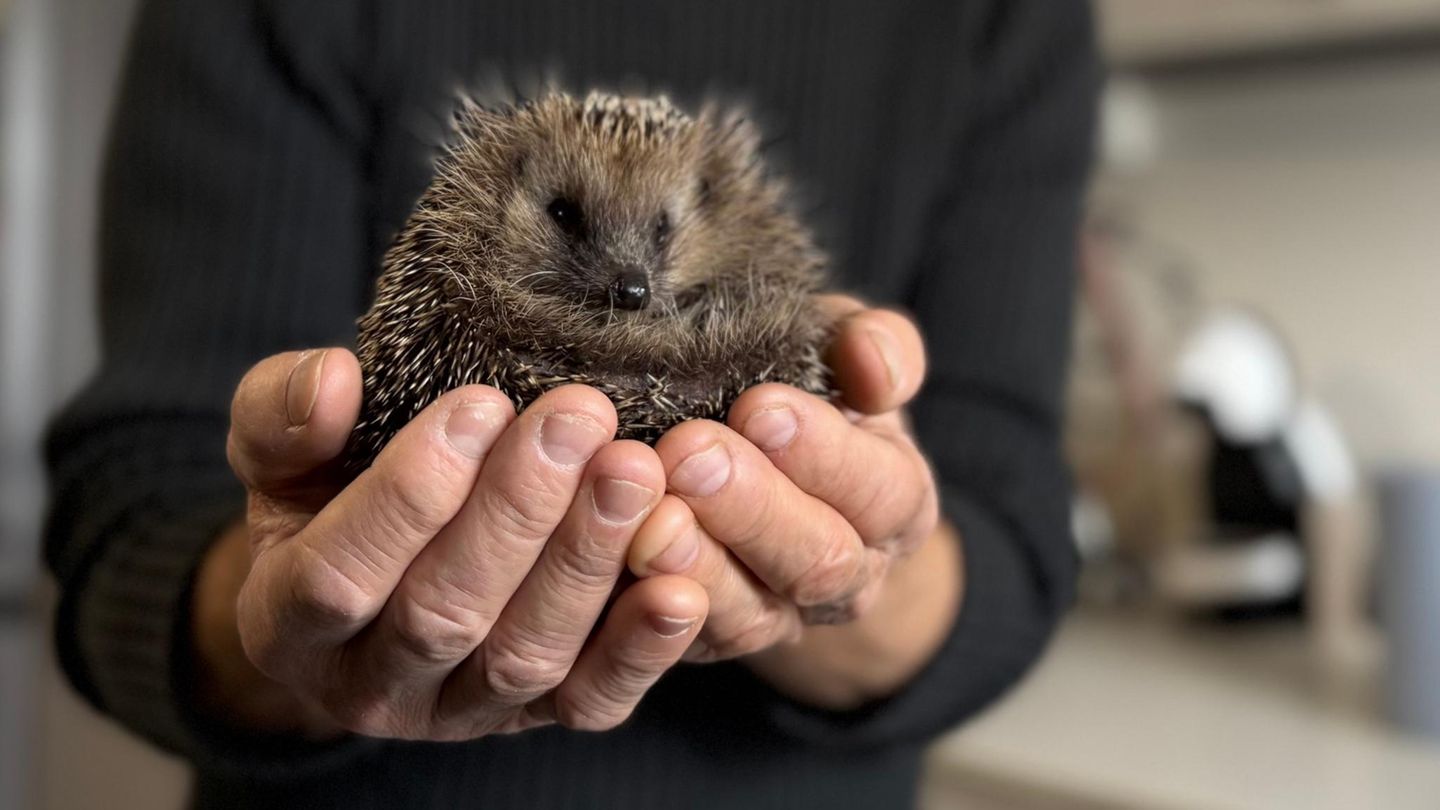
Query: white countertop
{"type": "Point", "coordinates": [1127, 712]}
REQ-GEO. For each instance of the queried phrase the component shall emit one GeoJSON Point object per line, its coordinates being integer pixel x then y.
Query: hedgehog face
{"type": "Point", "coordinates": [620, 206]}
{"type": "Point", "coordinates": [602, 231]}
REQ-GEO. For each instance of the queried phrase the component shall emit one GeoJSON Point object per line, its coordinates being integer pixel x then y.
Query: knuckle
{"type": "Point", "coordinates": [359, 714]}
{"type": "Point", "coordinates": [323, 594]}
{"type": "Point", "coordinates": [874, 502]}
{"type": "Point", "coordinates": [515, 675]}
{"type": "Point", "coordinates": [434, 635]}
{"type": "Point", "coordinates": [917, 517]}
{"type": "Point", "coordinates": [264, 648]}
{"type": "Point", "coordinates": [410, 507]}
{"type": "Point", "coordinates": [877, 505]}
{"type": "Point", "coordinates": [381, 708]}
{"type": "Point", "coordinates": [629, 672]}
{"type": "Point", "coordinates": [927, 521]}
{"type": "Point", "coordinates": [588, 562]}
{"type": "Point", "coordinates": [832, 577]}
{"type": "Point", "coordinates": [760, 632]}
{"type": "Point", "coordinates": [578, 714]}
{"type": "Point", "coordinates": [521, 512]}
{"type": "Point", "coordinates": [841, 611]}
{"type": "Point", "coordinates": [269, 522]}
{"type": "Point", "coordinates": [758, 523]}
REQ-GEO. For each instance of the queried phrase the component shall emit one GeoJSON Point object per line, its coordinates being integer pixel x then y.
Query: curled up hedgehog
{"type": "Point", "coordinates": [610, 241]}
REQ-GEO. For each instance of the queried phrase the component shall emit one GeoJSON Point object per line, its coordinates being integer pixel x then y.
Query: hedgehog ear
{"type": "Point", "coordinates": [731, 150]}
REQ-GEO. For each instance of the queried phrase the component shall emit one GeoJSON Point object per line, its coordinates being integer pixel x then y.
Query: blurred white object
{"type": "Point", "coordinates": [1265, 569]}
{"type": "Point", "coordinates": [1314, 439]}
{"type": "Point", "coordinates": [1129, 126]}
{"type": "Point", "coordinates": [1090, 523]}
{"type": "Point", "coordinates": [1239, 370]}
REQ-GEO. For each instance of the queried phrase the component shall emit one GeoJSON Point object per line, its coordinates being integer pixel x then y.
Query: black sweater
{"type": "Point", "coordinates": [264, 152]}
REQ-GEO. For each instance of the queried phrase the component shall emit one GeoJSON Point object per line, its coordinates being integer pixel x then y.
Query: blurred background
{"type": "Point", "coordinates": [1255, 421]}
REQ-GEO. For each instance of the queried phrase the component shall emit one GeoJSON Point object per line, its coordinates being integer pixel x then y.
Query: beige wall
{"type": "Point", "coordinates": [1314, 196]}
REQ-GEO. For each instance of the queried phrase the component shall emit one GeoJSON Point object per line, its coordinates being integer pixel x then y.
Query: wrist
{"type": "Point", "coordinates": [844, 666]}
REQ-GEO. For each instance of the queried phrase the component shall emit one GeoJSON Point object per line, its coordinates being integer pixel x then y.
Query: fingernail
{"type": "Point", "coordinates": [890, 353]}
{"type": "Point", "coordinates": [620, 501]}
{"type": "Point", "coordinates": [668, 627]}
{"type": "Point", "coordinates": [570, 439]}
{"type": "Point", "coordinates": [472, 427]}
{"type": "Point", "coordinates": [703, 473]}
{"type": "Point", "coordinates": [772, 428]}
{"type": "Point", "coordinates": [303, 387]}
{"type": "Point", "coordinates": [679, 555]}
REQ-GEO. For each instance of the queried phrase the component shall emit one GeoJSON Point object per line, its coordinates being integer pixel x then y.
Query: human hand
{"type": "Point", "coordinates": [794, 512]}
{"type": "Point", "coordinates": [450, 591]}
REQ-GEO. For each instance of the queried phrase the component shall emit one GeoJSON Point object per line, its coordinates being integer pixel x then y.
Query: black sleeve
{"type": "Point", "coordinates": [232, 227]}
{"type": "Point", "coordinates": [994, 300]}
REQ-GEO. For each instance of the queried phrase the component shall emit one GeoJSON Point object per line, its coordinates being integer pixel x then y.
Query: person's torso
{"type": "Point", "coordinates": [862, 105]}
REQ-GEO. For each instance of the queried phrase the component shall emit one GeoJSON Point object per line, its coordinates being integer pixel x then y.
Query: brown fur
{"type": "Point", "coordinates": [481, 286]}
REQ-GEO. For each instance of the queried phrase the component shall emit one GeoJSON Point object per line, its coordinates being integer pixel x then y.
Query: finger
{"type": "Point", "coordinates": [878, 359]}
{"type": "Point", "coordinates": [745, 616]}
{"type": "Point", "coordinates": [797, 545]}
{"type": "Point", "coordinates": [291, 417]}
{"type": "Point", "coordinates": [330, 580]}
{"type": "Point", "coordinates": [646, 632]}
{"type": "Point", "coordinates": [458, 584]}
{"type": "Point", "coordinates": [541, 630]}
{"type": "Point", "coordinates": [871, 473]}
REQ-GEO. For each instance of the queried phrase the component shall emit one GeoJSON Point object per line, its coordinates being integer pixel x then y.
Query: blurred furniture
{"type": "Point", "coordinates": [1210, 480]}
{"type": "Point", "coordinates": [1281, 485]}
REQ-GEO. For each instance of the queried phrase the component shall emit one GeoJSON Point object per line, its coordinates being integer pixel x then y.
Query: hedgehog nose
{"type": "Point", "coordinates": [630, 289]}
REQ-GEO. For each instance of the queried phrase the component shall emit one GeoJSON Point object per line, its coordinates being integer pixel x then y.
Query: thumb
{"type": "Point", "coordinates": [290, 420]}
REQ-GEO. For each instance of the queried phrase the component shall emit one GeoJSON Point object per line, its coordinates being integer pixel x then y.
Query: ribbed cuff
{"type": "Point", "coordinates": [123, 630]}
{"type": "Point", "coordinates": [1002, 627]}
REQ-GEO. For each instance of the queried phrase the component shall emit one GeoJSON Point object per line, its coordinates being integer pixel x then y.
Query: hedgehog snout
{"type": "Point", "coordinates": [630, 288]}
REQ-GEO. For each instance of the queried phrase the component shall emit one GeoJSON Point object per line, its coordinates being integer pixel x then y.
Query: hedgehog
{"type": "Point", "coordinates": [609, 240]}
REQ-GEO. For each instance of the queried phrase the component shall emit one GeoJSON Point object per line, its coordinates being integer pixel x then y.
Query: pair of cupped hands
{"type": "Point", "coordinates": [459, 586]}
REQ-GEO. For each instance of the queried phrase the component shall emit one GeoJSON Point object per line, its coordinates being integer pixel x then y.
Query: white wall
{"type": "Point", "coordinates": [1313, 194]}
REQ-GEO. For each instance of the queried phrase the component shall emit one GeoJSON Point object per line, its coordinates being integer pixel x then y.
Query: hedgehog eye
{"type": "Point", "coordinates": [662, 230]}
{"type": "Point", "coordinates": [567, 214]}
